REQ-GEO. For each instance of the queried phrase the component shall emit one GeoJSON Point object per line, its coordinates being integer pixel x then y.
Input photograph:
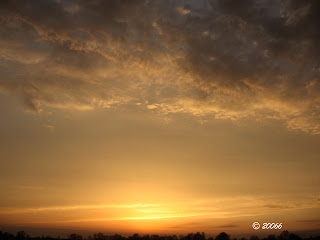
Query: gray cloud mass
{"type": "Point", "coordinates": [216, 58]}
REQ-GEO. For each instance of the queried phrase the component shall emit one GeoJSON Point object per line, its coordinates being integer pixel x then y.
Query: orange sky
{"type": "Point", "coordinates": [134, 172]}
{"type": "Point", "coordinates": [159, 116]}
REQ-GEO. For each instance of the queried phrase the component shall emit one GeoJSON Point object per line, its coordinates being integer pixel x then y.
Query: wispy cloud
{"type": "Point", "coordinates": [72, 207]}
{"type": "Point", "coordinates": [223, 208]}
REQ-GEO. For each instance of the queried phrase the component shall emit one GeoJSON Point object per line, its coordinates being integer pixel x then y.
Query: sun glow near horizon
{"type": "Point", "coordinates": [150, 216]}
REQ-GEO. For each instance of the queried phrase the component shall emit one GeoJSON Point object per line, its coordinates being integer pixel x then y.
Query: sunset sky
{"type": "Point", "coordinates": [159, 116]}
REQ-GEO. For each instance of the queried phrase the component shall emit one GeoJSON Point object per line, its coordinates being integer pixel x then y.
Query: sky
{"type": "Point", "coordinates": [159, 116]}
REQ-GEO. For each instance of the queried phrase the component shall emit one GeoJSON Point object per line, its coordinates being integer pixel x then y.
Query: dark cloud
{"type": "Point", "coordinates": [228, 226]}
{"type": "Point", "coordinates": [276, 206]}
{"type": "Point", "coordinates": [254, 59]}
{"type": "Point", "coordinates": [257, 53]}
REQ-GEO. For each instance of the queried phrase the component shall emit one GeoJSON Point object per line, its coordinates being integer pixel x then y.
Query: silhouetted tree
{"type": "Point", "coordinates": [22, 235]}
{"type": "Point", "coordinates": [254, 237]}
{"type": "Point", "coordinates": [173, 237]}
{"type": "Point", "coordinates": [6, 236]}
{"type": "Point", "coordinates": [271, 237]}
{"type": "Point", "coordinates": [284, 235]}
{"type": "Point", "coordinates": [154, 237]}
{"type": "Point", "coordinates": [199, 236]}
{"type": "Point", "coordinates": [222, 236]}
{"type": "Point", "coordinates": [134, 237]}
{"type": "Point", "coordinates": [293, 236]}
{"type": "Point", "coordinates": [117, 237]}
{"type": "Point", "coordinates": [74, 236]}
{"type": "Point", "coordinates": [99, 236]}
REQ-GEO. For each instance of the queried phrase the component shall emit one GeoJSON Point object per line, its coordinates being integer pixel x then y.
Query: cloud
{"type": "Point", "coordinates": [73, 207]}
{"type": "Point", "coordinates": [228, 226]}
{"type": "Point", "coordinates": [215, 208]}
{"type": "Point", "coordinates": [220, 59]}
{"type": "Point", "coordinates": [276, 206]}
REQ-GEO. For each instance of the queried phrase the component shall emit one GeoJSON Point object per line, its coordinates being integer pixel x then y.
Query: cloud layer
{"type": "Point", "coordinates": [217, 59]}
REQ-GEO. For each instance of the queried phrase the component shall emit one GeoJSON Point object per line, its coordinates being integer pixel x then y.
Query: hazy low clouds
{"type": "Point", "coordinates": [220, 59]}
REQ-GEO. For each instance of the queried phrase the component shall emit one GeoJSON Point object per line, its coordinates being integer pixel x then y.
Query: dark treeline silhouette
{"type": "Point", "coordinates": [21, 235]}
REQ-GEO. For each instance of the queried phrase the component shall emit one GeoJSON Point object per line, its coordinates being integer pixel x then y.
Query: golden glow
{"type": "Point", "coordinates": [159, 116]}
